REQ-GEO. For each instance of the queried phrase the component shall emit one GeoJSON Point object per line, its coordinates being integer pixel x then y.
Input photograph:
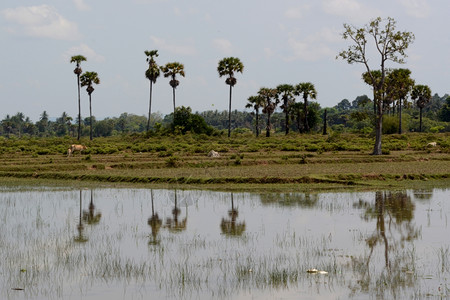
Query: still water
{"type": "Point", "coordinates": [59, 243]}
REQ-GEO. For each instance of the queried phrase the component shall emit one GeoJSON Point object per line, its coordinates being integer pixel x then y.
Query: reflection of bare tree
{"type": "Point", "coordinates": [80, 238]}
{"type": "Point", "coordinates": [393, 213]}
{"type": "Point", "coordinates": [231, 227]}
{"type": "Point", "coordinates": [155, 223]}
{"type": "Point", "coordinates": [89, 216]}
{"type": "Point", "coordinates": [290, 199]}
{"type": "Point", "coordinates": [174, 224]}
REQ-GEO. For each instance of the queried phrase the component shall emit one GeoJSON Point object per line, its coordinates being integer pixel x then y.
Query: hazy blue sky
{"type": "Point", "coordinates": [279, 42]}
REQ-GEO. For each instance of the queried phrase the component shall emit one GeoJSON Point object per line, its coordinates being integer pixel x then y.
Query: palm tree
{"type": "Point", "coordinates": [255, 102]}
{"type": "Point", "coordinates": [78, 59]}
{"type": "Point", "coordinates": [399, 85]}
{"type": "Point", "coordinates": [306, 89]}
{"type": "Point", "coordinates": [152, 74]}
{"type": "Point", "coordinates": [270, 97]}
{"type": "Point", "coordinates": [422, 95]}
{"type": "Point", "coordinates": [87, 79]}
{"type": "Point", "coordinates": [286, 92]}
{"type": "Point", "coordinates": [227, 67]}
{"type": "Point", "coordinates": [171, 70]}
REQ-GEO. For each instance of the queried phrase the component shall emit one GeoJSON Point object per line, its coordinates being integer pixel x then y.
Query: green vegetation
{"type": "Point", "coordinates": [292, 161]}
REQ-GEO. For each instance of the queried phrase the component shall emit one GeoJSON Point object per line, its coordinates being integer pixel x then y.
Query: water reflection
{"type": "Point", "coordinates": [374, 245]}
{"type": "Point", "coordinates": [175, 224]}
{"type": "Point", "coordinates": [90, 216]}
{"type": "Point", "coordinates": [230, 226]}
{"type": "Point", "coordinates": [393, 212]}
{"type": "Point", "coordinates": [155, 223]}
{"type": "Point", "coordinates": [80, 238]}
{"type": "Point", "coordinates": [306, 200]}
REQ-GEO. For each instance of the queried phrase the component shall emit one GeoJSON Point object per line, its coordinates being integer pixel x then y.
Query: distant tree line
{"type": "Point", "coordinates": [347, 116]}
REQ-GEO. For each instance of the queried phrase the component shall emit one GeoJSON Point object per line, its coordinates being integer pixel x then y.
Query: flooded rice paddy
{"type": "Point", "coordinates": [58, 243]}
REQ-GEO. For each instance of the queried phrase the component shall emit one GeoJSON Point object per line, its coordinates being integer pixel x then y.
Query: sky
{"type": "Point", "coordinates": [279, 42]}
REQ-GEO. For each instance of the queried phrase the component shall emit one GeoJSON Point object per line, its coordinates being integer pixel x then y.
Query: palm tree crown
{"type": "Point", "coordinates": [228, 66]}
{"type": "Point", "coordinates": [171, 70]}
{"type": "Point", "coordinates": [153, 71]}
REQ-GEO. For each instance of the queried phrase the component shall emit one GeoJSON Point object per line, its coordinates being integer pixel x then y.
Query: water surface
{"type": "Point", "coordinates": [61, 243]}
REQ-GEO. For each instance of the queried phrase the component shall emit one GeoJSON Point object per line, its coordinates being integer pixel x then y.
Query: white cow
{"type": "Point", "coordinates": [213, 153]}
{"type": "Point", "coordinates": [74, 148]}
{"type": "Point", "coordinates": [432, 144]}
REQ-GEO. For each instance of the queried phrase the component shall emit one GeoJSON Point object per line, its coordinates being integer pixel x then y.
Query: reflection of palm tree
{"type": "Point", "coordinates": [231, 227]}
{"type": "Point", "coordinates": [80, 238]}
{"type": "Point", "coordinates": [174, 224]}
{"type": "Point", "coordinates": [155, 223]}
{"type": "Point", "coordinates": [90, 216]}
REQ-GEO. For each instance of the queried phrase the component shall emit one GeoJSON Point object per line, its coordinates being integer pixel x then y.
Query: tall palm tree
{"type": "Point", "coordinates": [422, 95]}
{"type": "Point", "coordinates": [87, 79]}
{"type": "Point", "coordinates": [255, 102]}
{"type": "Point", "coordinates": [152, 74]}
{"type": "Point", "coordinates": [172, 70]}
{"type": "Point", "coordinates": [78, 59]}
{"type": "Point", "coordinates": [227, 67]}
{"type": "Point", "coordinates": [306, 89]}
{"type": "Point", "coordinates": [286, 93]}
{"type": "Point", "coordinates": [271, 101]}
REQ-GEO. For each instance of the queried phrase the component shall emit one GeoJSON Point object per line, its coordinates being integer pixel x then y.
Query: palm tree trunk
{"type": "Point", "coordinates": [420, 122]}
{"type": "Point", "coordinates": [325, 123]}
{"type": "Point", "coordinates": [173, 103]}
{"type": "Point", "coordinates": [79, 108]}
{"type": "Point", "coordinates": [286, 117]}
{"type": "Point", "coordinates": [150, 106]}
{"type": "Point", "coordinates": [257, 124]}
{"type": "Point", "coordinates": [268, 125]}
{"type": "Point", "coordinates": [306, 115]}
{"type": "Point", "coordinates": [229, 113]}
{"type": "Point", "coordinates": [90, 118]}
{"type": "Point", "coordinates": [400, 116]}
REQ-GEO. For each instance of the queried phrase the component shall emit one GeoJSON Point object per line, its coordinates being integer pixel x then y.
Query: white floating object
{"type": "Point", "coordinates": [315, 271]}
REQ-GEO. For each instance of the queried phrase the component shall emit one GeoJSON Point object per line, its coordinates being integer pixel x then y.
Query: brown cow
{"type": "Point", "coordinates": [74, 148]}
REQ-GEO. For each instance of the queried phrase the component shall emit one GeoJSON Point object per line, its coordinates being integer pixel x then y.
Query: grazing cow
{"type": "Point", "coordinates": [74, 148]}
{"type": "Point", "coordinates": [432, 144]}
{"type": "Point", "coordinates": [213, 153]}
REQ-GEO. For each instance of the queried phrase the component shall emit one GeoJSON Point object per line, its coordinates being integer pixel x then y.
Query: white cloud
{"type": "Point", "coordinates": [315, 46]}
{"type": "Point", "coordinates": [223, 45]}
{"type": "Point", "coordinates": [173, 48]}
{"type": "Point", "coordinates": [84, 50]}
{"type": "Point", "coordinates": [81, 5]}
{"type": "Point", "coordinates": [296, 12]}
{"type": "Point", "coordinates": [351, 9]}
{"type": "Point", "coordinates": [40, 21]}
{"type": "Point", "coordinates": [417, 8]}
